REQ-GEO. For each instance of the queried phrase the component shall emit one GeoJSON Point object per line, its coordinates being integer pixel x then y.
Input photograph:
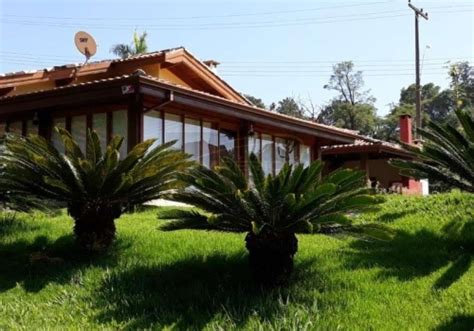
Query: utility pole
{"type": "Point", "coordinates": [418, 12]}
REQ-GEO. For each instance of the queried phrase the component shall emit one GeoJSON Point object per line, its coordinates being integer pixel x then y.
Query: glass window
{"type": "Point", "coordinates": [227, 144]}
{"type": "Point", "coordinates": [59, 122]}
{"type": "Point", "coordinates": [99, 125]}
{"type": "Point", "coordinates": [79, 131]}
{"type": "Point", "coordinates": [291, 146]}
{"type": "Point", "coordinates": [174, 130]}
{"type": "Point", "coordinates": [3, 128]}
{"type": "Point", "coordinates": [120, 128]}
{"type": "Point", "coordinates": [209, 145]}
{"type": "Point", "coordinates": [305, 155]}
{"type": "Point", "coordinates": [267, 154]}
{"type": "Point", "coordinates": [152, 127]}
{"type": "Point", "coordinates": [192, 138]}
{"type": "Point", "coordinates": [254, 144]}
{"type": "Point", "coordinates": [281, 154]}
{"type": "Point", "coordinates": [16, 127]}
{"type": "Point", "coordinates": [31, 128]}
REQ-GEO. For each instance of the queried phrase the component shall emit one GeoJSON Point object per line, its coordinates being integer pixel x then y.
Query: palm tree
{"type": "Point", "coordinates": [138, 46]}
{"type": "Point", "coordinates": [271, 209]}
{"type": "Point", "coordinates": [96, 187]}
{"type": "Point", "coordinates": [447, 154]}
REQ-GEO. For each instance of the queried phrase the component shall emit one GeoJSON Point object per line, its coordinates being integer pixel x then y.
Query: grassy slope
{"type": "Point", "coordinates": [192, 279]}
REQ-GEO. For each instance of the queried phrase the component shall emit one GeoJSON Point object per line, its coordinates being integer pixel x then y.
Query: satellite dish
{"type": "Point", "coordinates": [85, 43]}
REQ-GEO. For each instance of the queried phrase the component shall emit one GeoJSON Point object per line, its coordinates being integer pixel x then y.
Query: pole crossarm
{"type": "Point", "coordinates": [418, 11]}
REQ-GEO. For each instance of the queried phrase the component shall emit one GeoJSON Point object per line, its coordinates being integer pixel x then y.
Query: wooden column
{"type": "Point", "coordinates": [135, 118]}
{"type": "Point", "coordinates": [316, 151]}
{"type": "Point", "coordinates": [364, 164]}
{"type": "Point", "coordinates": [45, 123]}
{"type": "Point", "coordinates": [242, 146]}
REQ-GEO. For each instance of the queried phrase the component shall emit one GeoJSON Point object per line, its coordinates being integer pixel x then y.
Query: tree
{"type": "Point", "coordinates": [437, 105]}
{"type": "Point", "coordinates": [359, 117]}
{"type": "Point", "coordinates": [353, 107]}
{"type": "Point", "coordinates": [349, 84]}
{"type": "Point", "coordinates": [96, 187]}
{"type": "Point", "coordinates": [389, 125]}
{"type": "Point", "coordinates": [462, 84]}
{"type": "Point", "coordinates": [271, 209]}
{"type": "Point", "coordinates": [138, 46]}
{"type": "Point", "coordinates": [447, 154]}
{"type": "Point", "coordinates": [290, 107]}
{"type": "Point", "coordinates": [257, 102]}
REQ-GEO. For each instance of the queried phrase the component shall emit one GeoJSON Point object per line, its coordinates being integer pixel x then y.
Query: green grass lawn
{"type": "Point", "coordinates": [421, 280]}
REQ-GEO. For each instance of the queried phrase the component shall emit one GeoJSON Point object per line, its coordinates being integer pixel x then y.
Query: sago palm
{"type": "Point", "coordinates": [96, 186]}
{"type": "Point", "coordinates": [271, 209]}
{"type": "Point", "coordinates": [139, 46]}
{"type": "Point", "coordinates": [447, 154]}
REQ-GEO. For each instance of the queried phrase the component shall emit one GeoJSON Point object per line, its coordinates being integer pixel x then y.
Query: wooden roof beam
{"type": "Point", "coordinates": [5, 90]}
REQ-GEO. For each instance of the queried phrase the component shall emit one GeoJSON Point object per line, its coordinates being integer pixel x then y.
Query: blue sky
{"type": "Point", "coordinates": [270, 49]}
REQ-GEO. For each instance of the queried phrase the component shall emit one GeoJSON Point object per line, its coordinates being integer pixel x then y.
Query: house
{"type": "Point", "coordinates": [372, 156]}
{"type": "Point", "coordinates": [171, 95]}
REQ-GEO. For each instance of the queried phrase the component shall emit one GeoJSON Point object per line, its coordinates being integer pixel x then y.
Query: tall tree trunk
{"type": "Point", "coordinates": [271, 257]}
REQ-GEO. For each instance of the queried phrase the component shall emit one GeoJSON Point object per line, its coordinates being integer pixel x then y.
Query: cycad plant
{"type": "Point", "coordinates": [447, 154]}
{"type": "Point", "coordinates": [95, 186]}
{"type": "Point", "coordinates": [271, 209]}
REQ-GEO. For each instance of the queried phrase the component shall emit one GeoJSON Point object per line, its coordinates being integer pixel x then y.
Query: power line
{"type": "Point", "coordinates": [357, 66]}
{"type": "Point", "coordinates": [261, 68]}
{"type": "Point", "coordinates": [286, 12]}
{"type": "Point", "coordinates": [311, 70]}
{"type": "Point", "coordinates": [315, 76]}
{"type": "Point", "coordinates": [204, 17]}
{"type": "Point", "coordinates": [250, 67]}
{"type": "Point", "coordinates": [341, 60]}
{"type": "Point", "coordinates": [210, 26]}
{"type": "Point", "coordinates": [371, 62]}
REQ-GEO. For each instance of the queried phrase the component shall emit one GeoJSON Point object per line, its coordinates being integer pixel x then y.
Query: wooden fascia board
{"type": "Point", "coordinates": [366, 149]}
{"type": "Point", "coordinates": [222, 107]}
{"type": "Point", "coordinates": [200, 69]}
{"type": "Point", "coordinates": [70, 96]}
{"type": "Point", "coordinates": [56, 74]}
{"type": "Point", "coordinates": [30, 78]}
{"type": "Point", "coordinates": [4, 90]}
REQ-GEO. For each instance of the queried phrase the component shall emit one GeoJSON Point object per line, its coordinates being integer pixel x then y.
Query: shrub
{"type": "Point", "coordinates": [271, 209]}
{"type": "Point", "coordinates": [95, 186]}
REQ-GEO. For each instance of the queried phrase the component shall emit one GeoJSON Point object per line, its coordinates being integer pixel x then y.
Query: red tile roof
{"type": "Point", "coordinates": [366, 145]}
{"type": "Point", "coordinates": [349, 133]}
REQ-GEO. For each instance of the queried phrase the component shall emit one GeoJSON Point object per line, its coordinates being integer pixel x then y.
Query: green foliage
{"type": "Point", "coordinates": [447, 154]}
{"type": "Point", "coordinates": [9, 202]}
{"type": "Point", "coordinates": [257, 102]}
{"type": "Point", "coordinates": [297, 199]}
{"type": "Point", "coordinates": [188, 280]}
{"type": "Point", "coordinates": [353, 107]}
{"type": "Point", "coordinates": [437, 105]}
{"type": "Point", "coordinates": [360, 117]}
{"type": "Point", "coordinates": [139, 46]}
{"type": "Point", "coordinates": [33, 167]}
{"type": "Point", "coordinates": [289, 106]}
{"type": "Point", "coordinates": [462, 84]}
{"type": "Point", "coordinates": [96, 186]}
{"type": "Point", "coordinates": [349, 84]}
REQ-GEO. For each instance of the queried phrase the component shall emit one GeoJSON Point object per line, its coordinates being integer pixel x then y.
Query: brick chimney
{"type": "Point", "coordinates": [405, 129]}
